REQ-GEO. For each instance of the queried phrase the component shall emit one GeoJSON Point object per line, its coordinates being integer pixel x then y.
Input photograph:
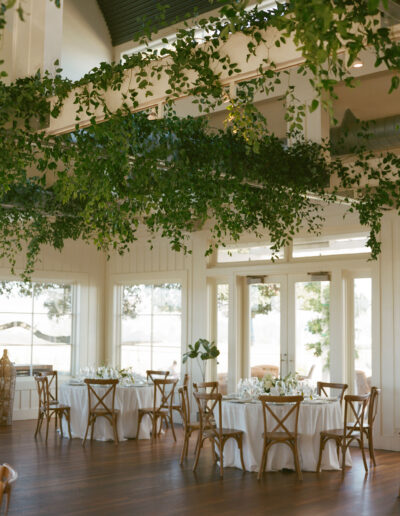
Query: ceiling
{"type": "Point", "coordinates": [125, 18]}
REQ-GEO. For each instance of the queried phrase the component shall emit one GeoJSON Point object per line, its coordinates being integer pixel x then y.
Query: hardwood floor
{"type": "Point", "coordinates": [141, 478]}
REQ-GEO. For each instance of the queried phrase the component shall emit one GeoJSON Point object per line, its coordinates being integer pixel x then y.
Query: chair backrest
{"type": "Point", "coordinates": [42, 385]}
{"type": "Point", "coordinates": [8, 476]}
{"type": "Point", "coordinates": [152, 374]}
{"type": "Point", "coordinates": [52, 377]}
{"type": "Point", "coordinates": [207, 402]}
{"type": "Point", "coordinates": [185, 380]}
{"type": "Point", "coordinates": [210, 387]}
{"type": "Point", "coordinates": [185, 404]}
{"type": "Point", "coordinates": [373, 405]}
{"type": "Point", "coordinates": [341, 387]}
{"type": "Point", "coordinates": [281, 422]}
{"type": "Point", "coordinates": [355, 407]}
{"type": "Point", "coordinates": [98, 401]}
{"type": "Point", "coordinates": [161, 393]}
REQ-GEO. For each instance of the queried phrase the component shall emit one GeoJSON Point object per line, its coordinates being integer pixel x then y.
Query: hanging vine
{"type": "Point", "coordinates": [174, 175]}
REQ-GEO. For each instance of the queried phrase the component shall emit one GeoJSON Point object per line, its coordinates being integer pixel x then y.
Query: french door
{"type": "Point", "coordinates": [288, 327]}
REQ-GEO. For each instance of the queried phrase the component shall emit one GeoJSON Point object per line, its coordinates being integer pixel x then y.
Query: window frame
{"type": "Point", "coordinates": [118, 281]}
{"type": "Point", "coordinates": [75, 295]}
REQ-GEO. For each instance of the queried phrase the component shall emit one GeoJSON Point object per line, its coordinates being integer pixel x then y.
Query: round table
{"type": "Point", "coordinates": [127, 399]}
{"type": "Point", "coordinates": [314, 416]}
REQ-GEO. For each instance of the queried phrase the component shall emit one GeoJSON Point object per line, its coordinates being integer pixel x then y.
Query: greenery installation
{"type": "Point", "coordinates": [100, 183]}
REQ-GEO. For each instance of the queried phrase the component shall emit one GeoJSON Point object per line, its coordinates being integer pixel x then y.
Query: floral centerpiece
{"type": "Point", "coordinates": [125, 375]}
{"type": "Point", "coordinates": [281, 386]}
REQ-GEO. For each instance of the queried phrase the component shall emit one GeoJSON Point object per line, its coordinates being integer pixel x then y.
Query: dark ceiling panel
{"type": "Point", "coordinates": [125, 18]}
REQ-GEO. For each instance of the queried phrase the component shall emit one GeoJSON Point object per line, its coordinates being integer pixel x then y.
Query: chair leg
{"type": "Point", "coordinates": [344, 449]}
{"type": "Point", "coordinates": [361, 443]}
{"type": "Point", "coordinates": [321, 449]}
{"type": "Point", "coordinates": [263, 461]}
{"type": "Point", "coordinates": [221, 458]}
{"type": "Point", "coordinates": [297, 461]}
{"type": "Point", "coordinates": [154, 431]}
{"type": "Point", "coordinates": [240, 446]}
{"type": "Point", "coordinates": [47, 426]}
{"type": "Point", "coordinates": [115, 429]}
{"type": "Point", "coordinates": [92, 429]}
{"type": "Point", "coordinates": [196, 460]}
{"type": "Point", "coordinates": [68, 415]}
{"type": "Point", "coordinates": [60, 420]}
{"type": "Point", "coordinates": [185, 446]}
{"type": "Point", "coordinates": [87, 430]}
{"type": "Point", "coordinates": [172, 424]}
{"type": "Point", "coordinates": [39, 423]}
{"type": "Point", "coordinates": [138, 424]}
{"type": "Point", "coordinates": [370, 438]}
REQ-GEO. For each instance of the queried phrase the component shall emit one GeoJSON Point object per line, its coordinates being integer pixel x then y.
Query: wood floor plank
{"type": "Point", "coordinates": [144, 478]}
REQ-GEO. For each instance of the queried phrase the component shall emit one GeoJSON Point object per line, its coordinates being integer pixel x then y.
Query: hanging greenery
{"type": "Point", "coordinates": [100, 182]}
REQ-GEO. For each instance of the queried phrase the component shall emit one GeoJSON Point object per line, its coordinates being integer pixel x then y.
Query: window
{"type": "Point", "coordinates": [246, 254]}
{"type": "Point", "coordinates": [36, 323]}
{"type": "Point", "coordinates": [362, 334]}
{"type": "Point", "coordinates": [151, 322]}
{"type": "Point", "coordinates": [330, 245]}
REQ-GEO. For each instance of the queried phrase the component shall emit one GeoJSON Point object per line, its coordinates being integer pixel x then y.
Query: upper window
{"type": "Point", "coordinates": [246, 253]}
{"type": "Point", "coordinates": [36, 323]}
{"type": "Point", "coordinates": [330, 245]}
{"type": "Point", "coordinates": [151, 321]}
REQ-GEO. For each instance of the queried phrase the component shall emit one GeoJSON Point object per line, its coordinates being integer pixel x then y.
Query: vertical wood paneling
{"type": "Point", "coordinates": [148, 254]}
{"type": "Point", "coordinates": [139, 258]}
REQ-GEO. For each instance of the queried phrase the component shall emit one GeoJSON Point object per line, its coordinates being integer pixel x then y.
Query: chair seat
{"type": "Point", "coordinates": [54, 402]}
{"type": "Point", "coordinates": [225, 432]}
{"type": "Point", "coordinates": [278, 436]}
{"type": "Point", "coordinates": [336, 433]}
{"type": "Point", "coordinates": [59, 406]}
{"type": "Point", "coordinates": [150, 410]}
{"type": "Point", "coordinates": [102, 412]}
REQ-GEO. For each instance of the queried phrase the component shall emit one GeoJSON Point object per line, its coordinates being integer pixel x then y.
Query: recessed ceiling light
{"type": "Point", "coordinates": [357, 63]}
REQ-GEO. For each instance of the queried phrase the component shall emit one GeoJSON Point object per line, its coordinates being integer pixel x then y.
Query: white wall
{"type": "Point", "coordinates": [86, 41]}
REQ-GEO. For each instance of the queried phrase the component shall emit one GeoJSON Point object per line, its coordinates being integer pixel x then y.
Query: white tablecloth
{"type": "Point", "coordinates": [313, 418]}
{"type": "Point", "coordinates": [127, 399]}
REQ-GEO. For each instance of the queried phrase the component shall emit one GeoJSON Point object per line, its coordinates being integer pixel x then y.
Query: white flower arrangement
{"type": "Point", "coordinates": [125, 376]}
{"type": "Point", "coordinates": [285, 385]}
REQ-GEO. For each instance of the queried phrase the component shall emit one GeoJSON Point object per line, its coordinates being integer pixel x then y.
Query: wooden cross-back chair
{"type": "Point", "coordinates": [210, 388]}
{"type": "Point", "coordinates": [162, 407]}
{"type": "Point", "coordinates": [355, 406]}
{"type": "Point", "coordinates": [47, 409]}
{"type": "Point", "coordinates": [207, 403]}
{"type": "Point", "coordinates": [368, 427]}
{"type": "Point", "coordinates": [280, 433]}
{"type": "Point", "coordinates": [7, 478]}
{"type": "Point", "coordinates": [52, 377]}
{"type": "Point", "coordinates": [98, 406]}
{"type": "Point", "coordinates": [341, 387]}
{"type": "Point", "coordinates": [152, 374]}
{"type": "Point", "coordinates": [188, 426]}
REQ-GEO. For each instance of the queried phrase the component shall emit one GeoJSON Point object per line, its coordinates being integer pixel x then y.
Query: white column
{"type": "Point", "coordinates": [315, 124]}
{"type": "Point", "coordinates": [35, 43]}
{"type": "Point", "coordinates": [338, 332]}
